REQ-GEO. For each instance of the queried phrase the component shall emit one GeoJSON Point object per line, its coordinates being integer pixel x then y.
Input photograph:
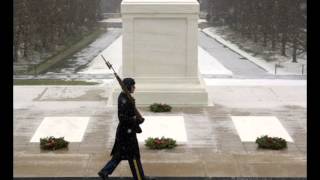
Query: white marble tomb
{"type": "Point", "coordinates": [160, 51]}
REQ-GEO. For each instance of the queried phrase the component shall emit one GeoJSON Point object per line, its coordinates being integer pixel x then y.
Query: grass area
{"type": "Point", "coordinates": [65, 53]}
{"type": "Point", "coordinates": [22, 82]}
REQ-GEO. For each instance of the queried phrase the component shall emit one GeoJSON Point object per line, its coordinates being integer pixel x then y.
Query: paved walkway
{"type": "Point", "coordinates": [214, 147]}
{"type": "Point", "coordinates": [230, 59]}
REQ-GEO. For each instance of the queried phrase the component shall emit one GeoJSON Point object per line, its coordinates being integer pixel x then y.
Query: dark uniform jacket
{"type": "Point", "coordinates": [126, 144]}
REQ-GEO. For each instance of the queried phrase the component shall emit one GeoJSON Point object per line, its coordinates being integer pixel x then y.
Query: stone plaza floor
{"type": "Point", "coordinates": [212, 147]}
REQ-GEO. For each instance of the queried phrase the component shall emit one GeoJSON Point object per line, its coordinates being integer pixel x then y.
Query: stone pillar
{"type": "Point", "coordinates": [160, 50]}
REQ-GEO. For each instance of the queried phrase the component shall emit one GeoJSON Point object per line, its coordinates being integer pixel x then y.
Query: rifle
{"type": "Point", "coordinates": [125, 90]}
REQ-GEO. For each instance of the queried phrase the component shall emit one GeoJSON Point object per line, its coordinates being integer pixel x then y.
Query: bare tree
{"type": "Point", "coordinates": [274, 21]}
{"type": "Point", "coordinates": [43, 25]}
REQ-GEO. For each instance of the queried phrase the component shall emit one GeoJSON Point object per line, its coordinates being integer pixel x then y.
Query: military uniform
{"type": "Point", "coordinates": [126, 145]}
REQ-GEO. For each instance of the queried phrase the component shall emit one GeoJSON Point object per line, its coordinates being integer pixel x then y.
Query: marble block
{"type": "Point", "coordinates": [71, 128]}
{"type": "Point", "coordinates": [250, 128]}
{"type": "Point", "coordinates": [163, 126]}
{"type": "Point", "coordinates": [160, 51]}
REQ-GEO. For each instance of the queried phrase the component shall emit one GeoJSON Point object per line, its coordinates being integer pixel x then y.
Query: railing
{"type": "Point", "coordinates": [296, 67]}
{"type": "Point", "coordinates": [26, 67]}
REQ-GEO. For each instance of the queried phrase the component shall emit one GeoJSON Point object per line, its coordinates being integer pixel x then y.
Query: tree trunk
{"type": "Point", "coordinates": [294, 50]}
{"type": "Point", "coordinates": [15, 54]}
{"type": "Point", "coordinates": [265, 39]}
{"type": "Point", "coordinates": [273, 42]}
{"type": "Point", "coordinates": [283, 44]}
{"type": "Point", "coordinates": [255, 37]}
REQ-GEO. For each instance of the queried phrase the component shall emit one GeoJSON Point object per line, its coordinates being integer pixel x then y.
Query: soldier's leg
{"type": "Point", "coordinates": [136, 169]}
{"type": "Point", "coordinates": [140, 167]}
{"type": "Point", "coordinates": [109, 167]}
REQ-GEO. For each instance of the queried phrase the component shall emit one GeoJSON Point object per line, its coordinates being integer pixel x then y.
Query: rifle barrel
{"type": "Point", "coordinates": [108, 64]}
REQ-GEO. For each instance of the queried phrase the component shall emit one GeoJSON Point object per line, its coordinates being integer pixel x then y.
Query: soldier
{"type": "Point", "coordinates": [126, 145]}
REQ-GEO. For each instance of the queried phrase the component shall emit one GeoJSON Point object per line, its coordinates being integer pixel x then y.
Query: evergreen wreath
{"type": "Point", "coordinates": [160, 143]}
{"type": "Point", "coordinates": [52, 143]}
{"type": "Point", "coordinates": [158, 107]}
{"type": "Point", "coordinates": [275, 143]}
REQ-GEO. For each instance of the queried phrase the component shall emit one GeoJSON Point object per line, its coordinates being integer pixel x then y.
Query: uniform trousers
{"type": "Point", "coordinates": [134, 163]}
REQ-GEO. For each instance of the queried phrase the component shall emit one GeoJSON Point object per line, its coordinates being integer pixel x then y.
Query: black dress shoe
{"type": "Point", "coordinates": [103, 176]}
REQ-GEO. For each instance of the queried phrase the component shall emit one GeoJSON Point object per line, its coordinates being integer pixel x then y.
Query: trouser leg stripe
{"type": "Point", "coordinates": [137, 169]}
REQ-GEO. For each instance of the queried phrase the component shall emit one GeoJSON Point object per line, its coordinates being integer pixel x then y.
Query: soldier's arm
{"type": "Point", "coordinates": [127, 114]}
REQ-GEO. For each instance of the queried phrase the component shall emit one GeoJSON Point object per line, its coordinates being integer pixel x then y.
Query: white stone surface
{"type": "Point", "coordinates": [157, 43]}
{"type": "Point", "coordinates": [251, 127]}
{"type": "Point", "coordinates": [69, 93]}
{"type": "Point", "coordinates": [254, 82]}
{"type": "Point", "coordinates": [160, 50]}
{"type": "Point", "coordinates": [24, 95]}
{"type": "Point", "coordinates": [167, 126]}
{"type": "Point", "coordinates": [257, 93]}
{"type": "Point", "coordinates": [159, 6]}
{"type": "Point", "coordinates": [71, 128]}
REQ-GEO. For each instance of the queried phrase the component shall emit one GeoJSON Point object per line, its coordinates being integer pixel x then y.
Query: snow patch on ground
{"type": "Point", "coordinates": [113, 54]}
{"type": "Point", "coordinates": [282, 65]}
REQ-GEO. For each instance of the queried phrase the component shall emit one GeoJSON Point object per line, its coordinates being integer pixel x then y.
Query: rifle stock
{"type": "Point", "coordinates": [125, 90]}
